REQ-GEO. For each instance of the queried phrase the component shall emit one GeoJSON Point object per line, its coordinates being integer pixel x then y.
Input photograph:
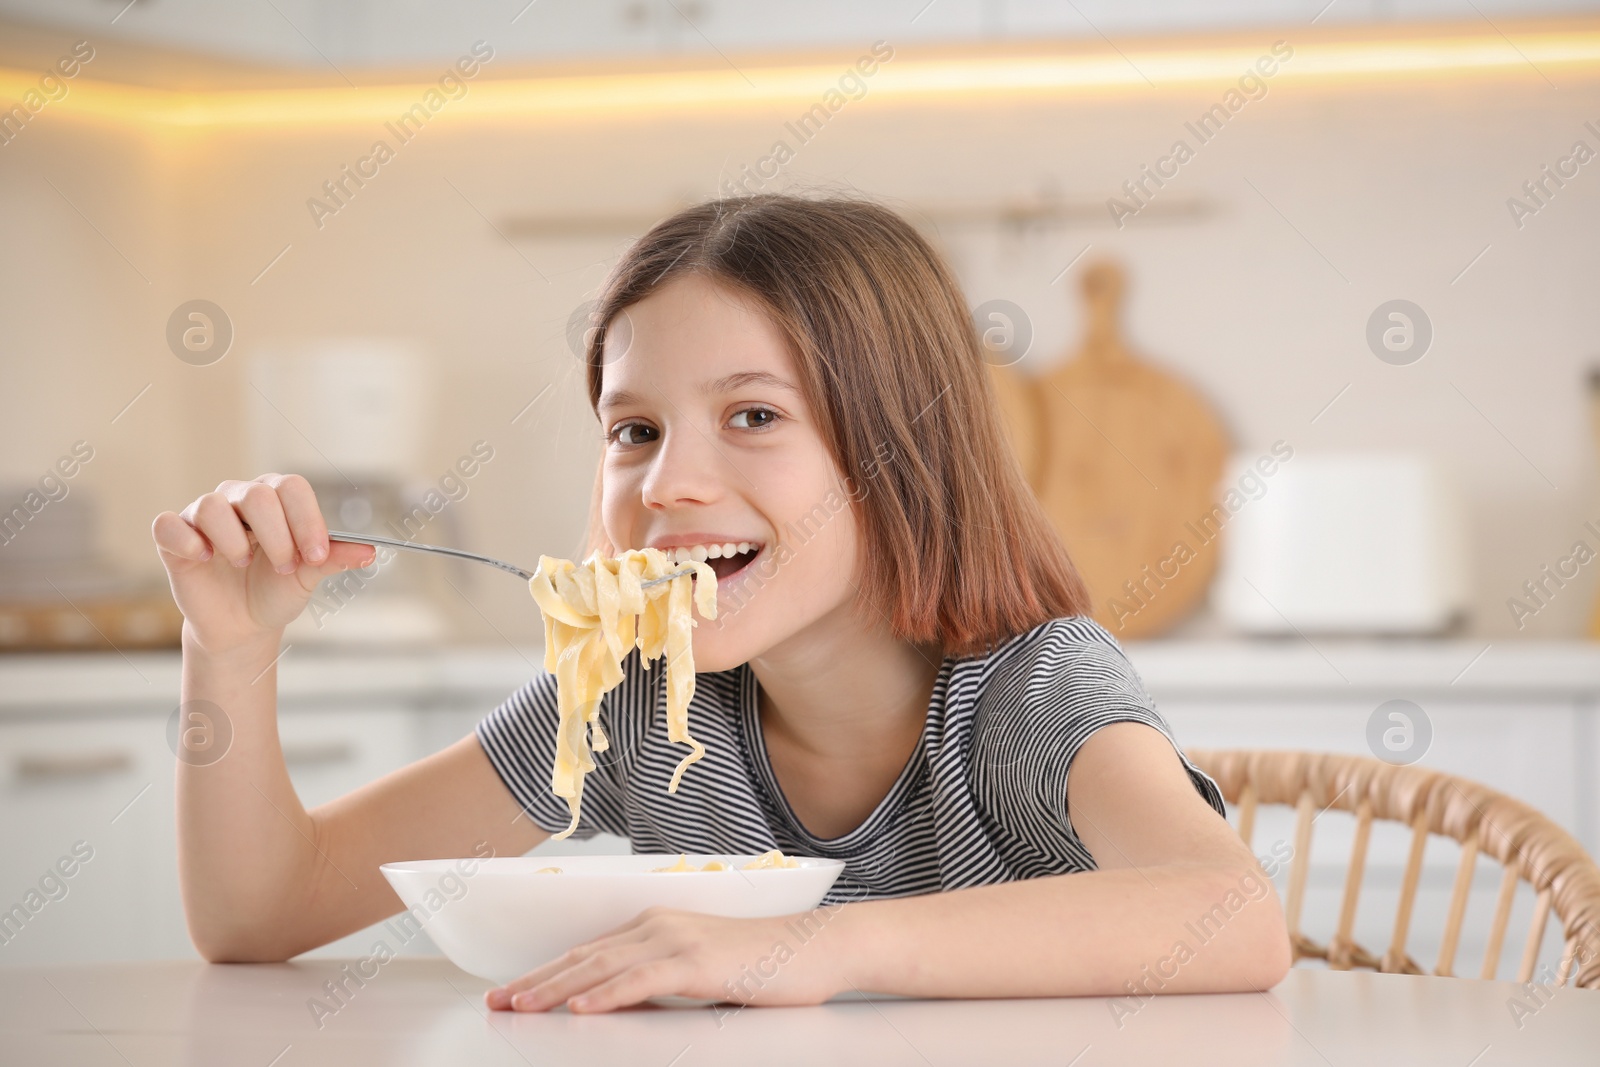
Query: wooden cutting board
{"type": "Point", "coordinates": [1132, 458]}
{"type": "Point", "coordinates": [1024, 419]}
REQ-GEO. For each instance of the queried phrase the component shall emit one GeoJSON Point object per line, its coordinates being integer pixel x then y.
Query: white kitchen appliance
{"type": "Point", "coordinates": [1345, 543]}
{"type": "Point", "coordinates": [354, 416]}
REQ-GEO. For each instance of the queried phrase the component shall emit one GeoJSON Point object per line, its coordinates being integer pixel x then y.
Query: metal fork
{"type": "Point", "coordinates": [456, 553]}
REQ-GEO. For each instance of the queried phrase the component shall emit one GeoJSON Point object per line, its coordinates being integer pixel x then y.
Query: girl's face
{"type": "Point", "coordinates": [709, 442]}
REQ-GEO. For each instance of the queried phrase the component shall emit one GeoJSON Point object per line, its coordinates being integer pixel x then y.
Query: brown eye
{"type": "Point", "coordinates": [770, 418]}
{"type": "Point", "coordinates": [626, 434]}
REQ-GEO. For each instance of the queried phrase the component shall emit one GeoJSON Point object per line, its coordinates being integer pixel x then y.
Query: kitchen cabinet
{"type": "Point", "coordinates": [84, 757]}
{"type": "Point", "coordinates": [92, 787]}
{"type": "Point", "coordinates": [106, 785]}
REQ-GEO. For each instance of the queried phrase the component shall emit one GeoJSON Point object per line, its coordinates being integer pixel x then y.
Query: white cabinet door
{"type": "Point", "coordinates": [107, 783]}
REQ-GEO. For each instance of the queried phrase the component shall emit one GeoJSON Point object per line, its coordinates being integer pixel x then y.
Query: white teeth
{"type": "Point", "coordinates": [701, 553]}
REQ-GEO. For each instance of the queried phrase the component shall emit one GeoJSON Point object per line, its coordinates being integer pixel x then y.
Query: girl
{"type": "Point", "coordinates": [902, 674]}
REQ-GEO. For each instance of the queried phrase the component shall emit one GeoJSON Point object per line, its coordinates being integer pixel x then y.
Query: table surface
{"type": "Point", "coordinates": [426, 1011]}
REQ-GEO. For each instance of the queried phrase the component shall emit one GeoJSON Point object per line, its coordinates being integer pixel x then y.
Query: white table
{"type": "Point", "coordinates": [424, 1011]}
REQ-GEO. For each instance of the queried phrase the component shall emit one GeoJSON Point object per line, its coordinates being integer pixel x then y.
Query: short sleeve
{"type": "Point", "coordinates": [519, 737]}
{"type": "Point", "coordinates": [1069, 680]}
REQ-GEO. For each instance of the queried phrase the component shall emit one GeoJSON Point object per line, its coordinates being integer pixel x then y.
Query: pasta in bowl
{"type": "Point", "coordinates": [499, 918]}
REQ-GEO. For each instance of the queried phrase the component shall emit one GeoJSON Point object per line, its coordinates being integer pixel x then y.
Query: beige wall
{"type": "Point", "coordinates": [1398, 184]}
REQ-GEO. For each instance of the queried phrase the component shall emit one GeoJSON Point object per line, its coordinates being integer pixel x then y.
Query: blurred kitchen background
{"type": "Point", "coordinates": [1343, 347]}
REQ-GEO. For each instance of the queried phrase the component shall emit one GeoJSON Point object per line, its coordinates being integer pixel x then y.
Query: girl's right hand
{"type": "Point", "coordinates": [238, 586]}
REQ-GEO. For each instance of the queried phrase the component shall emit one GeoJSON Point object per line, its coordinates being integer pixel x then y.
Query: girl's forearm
{"type": "Point", "coordinates": [1174, 929]}
{"type": "Point", "coordinates": [243, 834]}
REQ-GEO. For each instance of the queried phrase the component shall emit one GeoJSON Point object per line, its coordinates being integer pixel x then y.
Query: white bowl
{"type": "Point", "coordinates": [499, 919]}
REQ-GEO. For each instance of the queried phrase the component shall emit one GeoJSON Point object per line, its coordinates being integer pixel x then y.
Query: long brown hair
{"type": "Point", "coordinates": [956, 550]}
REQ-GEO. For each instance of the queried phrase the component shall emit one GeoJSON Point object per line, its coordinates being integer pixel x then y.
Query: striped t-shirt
{"type": "Point", "coordinates": [981, 800]}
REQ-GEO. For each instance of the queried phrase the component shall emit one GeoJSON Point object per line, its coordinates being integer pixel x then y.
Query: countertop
{"type": "Point", "coordinates": [1286, 667]}
{"type": "Point", "coordinates": [420, 1011]}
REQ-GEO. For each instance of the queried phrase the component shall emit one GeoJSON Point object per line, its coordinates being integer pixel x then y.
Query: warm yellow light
{"type": "Point", "coordinates": [907, 78]}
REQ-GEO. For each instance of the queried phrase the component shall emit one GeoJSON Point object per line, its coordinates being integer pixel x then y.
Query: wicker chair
{"type": "Point", "coordinates": [1528, 846]}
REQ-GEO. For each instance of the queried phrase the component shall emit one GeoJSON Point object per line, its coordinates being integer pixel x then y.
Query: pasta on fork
{"type": "Point", "coordinates": [595, 614]}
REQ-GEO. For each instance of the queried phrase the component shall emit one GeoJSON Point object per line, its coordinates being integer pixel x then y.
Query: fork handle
{"type": "Point", "coordinates": [456, 553]}
{"type": "Point", "coordinates": [413, 546]}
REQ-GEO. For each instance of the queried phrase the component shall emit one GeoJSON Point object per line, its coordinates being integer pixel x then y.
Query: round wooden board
{"type": "Point", "coordinates": [1131, 467]}
{"type": "Point", "coordinates": [1023, 416]}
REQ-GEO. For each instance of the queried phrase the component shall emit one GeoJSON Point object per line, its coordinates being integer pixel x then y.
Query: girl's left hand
{"type": "Point", "coordinates": [665, 952]}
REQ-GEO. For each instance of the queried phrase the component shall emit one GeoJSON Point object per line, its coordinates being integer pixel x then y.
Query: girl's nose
{"type": "Point", "coordinates": [686, 469]}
